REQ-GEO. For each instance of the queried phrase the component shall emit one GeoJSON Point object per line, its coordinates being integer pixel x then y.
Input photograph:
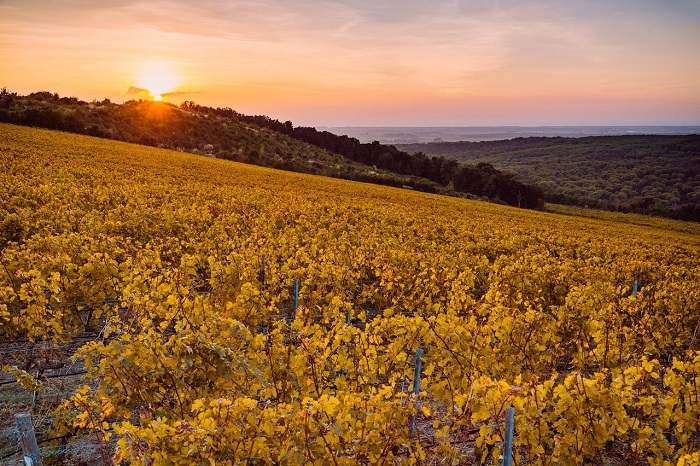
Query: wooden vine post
{"type": "Point", "coordinates": [30, 448]}
{"type": "Point", "coordinates": [296, 296]}
{"type": "Point", "coordinates": [508, 442]}
{"type": "Point", "coordinates": [416, 386]}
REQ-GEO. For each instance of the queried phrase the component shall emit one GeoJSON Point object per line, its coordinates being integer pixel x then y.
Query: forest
{"type": "Point", "coordinates": [650, 174]}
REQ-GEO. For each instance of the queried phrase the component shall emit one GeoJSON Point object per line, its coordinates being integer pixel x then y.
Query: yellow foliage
{"type": "Point", "coordinates": [188, 264]}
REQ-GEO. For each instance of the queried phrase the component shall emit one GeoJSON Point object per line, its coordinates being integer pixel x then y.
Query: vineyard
{"type": "Point", "coordinates": [239, 314]}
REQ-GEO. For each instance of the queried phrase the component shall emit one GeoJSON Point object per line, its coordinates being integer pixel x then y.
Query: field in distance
{"type": "Point", "coordinates": [587, 326]}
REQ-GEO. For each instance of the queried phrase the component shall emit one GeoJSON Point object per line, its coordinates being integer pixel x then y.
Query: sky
{"type": "Point", "coordinates": [369, 62]}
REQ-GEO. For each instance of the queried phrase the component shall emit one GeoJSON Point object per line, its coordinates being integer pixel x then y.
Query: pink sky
{"type": "Point", "coordinates": [370, 63]}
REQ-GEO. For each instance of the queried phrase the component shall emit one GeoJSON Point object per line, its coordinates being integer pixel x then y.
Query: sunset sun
{"type": "Point", "coordinates": [158, 79]}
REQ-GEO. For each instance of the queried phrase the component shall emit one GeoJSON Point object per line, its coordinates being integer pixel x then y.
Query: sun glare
{"type": "Point", "coordinates": [158, 78]}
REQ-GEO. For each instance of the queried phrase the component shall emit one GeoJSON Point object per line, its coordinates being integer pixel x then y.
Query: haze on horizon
{"type": "Point", "coordinates": [369, 63]}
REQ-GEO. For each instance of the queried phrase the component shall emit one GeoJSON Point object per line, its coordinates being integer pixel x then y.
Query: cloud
{"type": "Point", "coordinates": [179, 93]}
{"type": "Point", "coordinates": [140, 91]}
{"type": "Point", "coordinates": [137, 90]}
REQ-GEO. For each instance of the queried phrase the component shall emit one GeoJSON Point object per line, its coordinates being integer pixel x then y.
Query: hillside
{"type": "Point", "coordinates": [174, 276]}
{"type": "Point", "coordinates": [260, 140]}
{"type": "Point", "coordinates": [165, 125]}
{"type": "Point", "coordinates": [647, 174]}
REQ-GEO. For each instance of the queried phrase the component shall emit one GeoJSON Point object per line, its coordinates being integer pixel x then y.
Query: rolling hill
{"type": "Point", "coordinates": [260, 140]}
